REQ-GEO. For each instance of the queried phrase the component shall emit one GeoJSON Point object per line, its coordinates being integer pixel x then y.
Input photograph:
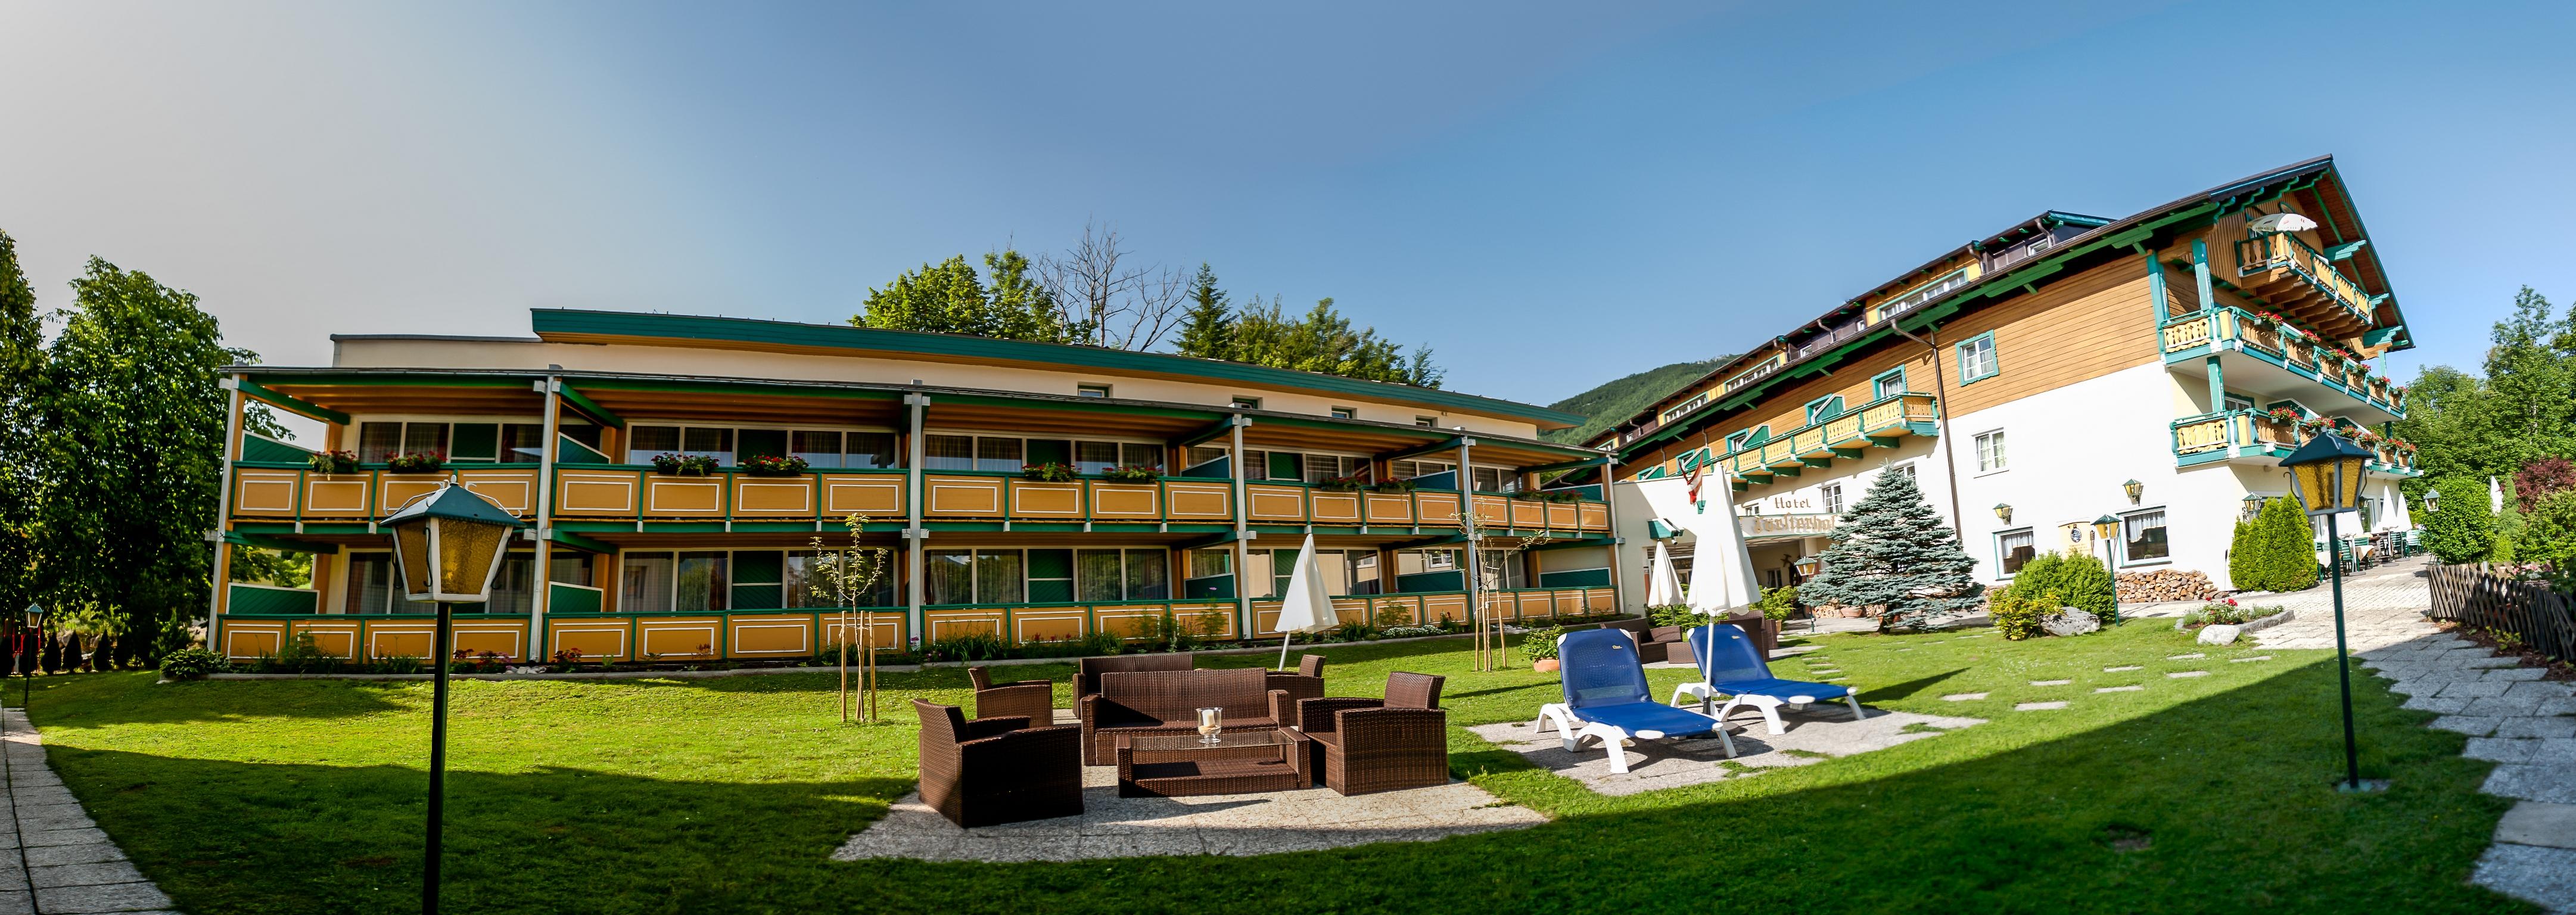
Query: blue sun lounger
{"type": "Point", "coordinates": [1737, 671]}
{"type": "Point", "coordinates": [1606, 697]}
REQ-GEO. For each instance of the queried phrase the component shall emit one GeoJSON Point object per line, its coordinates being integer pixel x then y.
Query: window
{"type": "Point", "coordinates": [373, 589]}
{"type": "Point", "coordinates": [948, 577]}
{"type": "Point", "coordinates": [371, 583]}
{"type": "Point", "coordinates": [2013, 548]}
{"type": "Point", "coordinates": [463, 443]}
{"type": "Point", "coordinates": [1426, 421]}
{"type": "Point", "coordinates": [1990, 451]}
{"type": "Point", "coordinates": [1681, 409]}
{"type": "Point", "coordinates": [1345, 413]}
{"type": "Point", "coordinates": [1831, 494]}
{"type": "Point", "coordinates": [1091, 390]}
{"type": "Point", "coordinates": [1736, 442]}
{"type": "Point", "coordinates": [821, 448]}
{"type": "Point", "coordinates": [1001, 454]}
{"type": "Point", "coordinates": [948, 452]}
{"type": "Point", "coordinates": [2235, 402]}
{"type": "Point", "coordinates": [1499, 570]}
{"type": "Point", "coordinates": [808, 586]}
{"type": "Point", "coordinates": [1823, 408]}
{"type": "Point", "coordinates": [1888, 384]}
{"type": "Point", "coordinates": [1246, 403]}
{"type": "Point", "coordinates": [1116, 575]}
{"type": "Point", "coordinates": [2142, 536]}
{"type": "Point", "coordinates": [1010, 453]}
{"type": "Point", "coordinates": [1977, 359]}
{"type": "Point", "coordinates": [1907, 469]}
{"type": "Point", "coordinates": [661, 582]}
{"type": "Point", "coordinates": [1495, 479]}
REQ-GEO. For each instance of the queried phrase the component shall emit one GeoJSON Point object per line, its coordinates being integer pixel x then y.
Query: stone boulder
{"type": "Point", "coordinates": [2219, 634]}
{"type": "Point", "coordinates": [2070, 621]}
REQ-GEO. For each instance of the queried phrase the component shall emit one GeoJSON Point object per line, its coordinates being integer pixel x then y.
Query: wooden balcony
{"type": "Point", "coordinates": [1847, 435]}
{"type": "Point", "coordinates": [268, 491]}
{"type": "Point", "coordinates": [2189, 337]}
{"type": "Point", "coordinates": [2281, 269]}
{"type": "Point", "coordinates": [2255, 436]}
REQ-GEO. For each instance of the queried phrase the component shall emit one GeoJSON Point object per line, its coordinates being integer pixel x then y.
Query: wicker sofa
{"type": "Point", "coordinates": [997, 770]}
{"type": "Point", "coordinates": [1088, 671]}
{"type": "Point", "coordinates": [1362, 746]}
{"type": "Point", "coordinates": [1030, 699]}
{"type": "Point", "coordinates": [1167, 702]}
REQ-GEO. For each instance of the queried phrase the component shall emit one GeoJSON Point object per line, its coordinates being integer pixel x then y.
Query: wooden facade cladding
{"type": "Point", "coordinates": [272, 492]}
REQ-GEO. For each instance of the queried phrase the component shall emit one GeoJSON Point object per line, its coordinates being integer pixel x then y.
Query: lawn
{"type": "Point", "coordinates": [2191, 795]}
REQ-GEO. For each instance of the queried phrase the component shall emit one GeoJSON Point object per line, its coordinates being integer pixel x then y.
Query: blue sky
{"type": "Point", "coordinates": [1550, 196]}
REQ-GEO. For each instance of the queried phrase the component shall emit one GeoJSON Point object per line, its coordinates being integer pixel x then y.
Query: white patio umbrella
{"type": "Point", "coordinates": [2495, 496]}
{"type": "Point", "coordinates": [2281, 222]}
{"type": "Point", "coordinates": [1663, 586]}
{"type": "Point", "coordinates": [1305, 608]}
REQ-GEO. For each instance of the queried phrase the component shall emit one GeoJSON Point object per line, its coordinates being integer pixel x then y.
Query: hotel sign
{"type": "Point", "coordinates": [1776, 526]}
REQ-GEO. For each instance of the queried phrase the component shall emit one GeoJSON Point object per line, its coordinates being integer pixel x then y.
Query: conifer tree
{"type": "Point", "coordinates": [1892, 550]}
{"type": "Point", "coordinates": [1208, 330]}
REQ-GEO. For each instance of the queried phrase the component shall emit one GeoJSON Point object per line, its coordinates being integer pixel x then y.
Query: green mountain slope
{"type": "Point", "coordinates": [1615, 400]}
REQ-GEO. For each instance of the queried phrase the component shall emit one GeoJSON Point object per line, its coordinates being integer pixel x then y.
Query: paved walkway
{"type": "Point", "coordinates": [2512, 717]}
{"type": "Point", "coordinates": [56, 860]}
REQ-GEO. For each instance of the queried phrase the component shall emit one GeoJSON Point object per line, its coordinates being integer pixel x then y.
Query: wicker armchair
{"type": "Point", "coordinates": [1031, 699]}
{"type": "Point", "coordinates": [1306, 683]}
{"type": "Point", "coordinates": [1362, 746]}
{"type": "Point", "coordinates": [1167, 702]}
{"type": "Point", "coordinates": [997, 770]}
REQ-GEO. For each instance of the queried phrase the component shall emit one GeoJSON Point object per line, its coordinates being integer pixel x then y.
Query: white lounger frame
{"type": "Point", "coordinates": [1769, 706]}
{"type": "Point", "coordinates": [1572, 728]}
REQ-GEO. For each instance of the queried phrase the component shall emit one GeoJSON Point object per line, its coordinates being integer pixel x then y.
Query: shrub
{"type": "Point", "coordinates": [1672, 615]}
{"type": "Point", "coordinates": [193, 664]}
{"type": "Point", "coordinates": [2016, 613]}
{"type": "Point", "coordinates": [1540, 644]}
{"type": "Point", "coordinates": [2226, 612]}
{"type": "Point", "coordinates": [300, 657]}
{"type": "Point", "coordinates": [977, 646]}
{"type": "Point", "coordinates": [770, 465]}
{"type": "Point", "coordinates": [416, 462]}
{"type": "Point", "coordinates": [2077, 581]}
{"type": "Point", "coordinates": [1342, 484]}
{"type": "Point", "coordinates": [333, 462]}
{"type": "Point", "coordinates": [2548, 532]}
{"type": "Point", "coordinates": [1408, 631]}
{"type": "Point", "coordinates": [2463, 529]}
{"type": "Point", "coordinates": [1393, 486]}
{"type": "Point", "coordinates": [1049, 472]}
{"type": "Point", "coordinates": [395, 665]}
{"type": "Point", "coordinates": [2540, 479]}
{"type": "Point", "coordinates": [2277, 552]}
{"type": "Point", "coordinates": [1390, 616]}
{"type": "Point", "coordinates": [1778, 603]}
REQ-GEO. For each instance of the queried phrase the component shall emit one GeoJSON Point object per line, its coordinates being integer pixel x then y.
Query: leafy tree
{"type": "Point", "coordinates": [1893, 551]}
{"type": "Point", "coordinates": [1207, 331]}
{"type": "Point", "coordinates": [272, 567]}
{"type": "Point", "coordinates": [2542, 478]}
{"type": "Point", "coordinates": [949, 298]}
{"type": "Point", "coordinates": [2462, 527]}
{"type": "Point", "coordinates": [132, 438]}
{"type": "Point", "coordinates": [22, 360]}
{"type": "Point", "coordinates": [1322, 340]}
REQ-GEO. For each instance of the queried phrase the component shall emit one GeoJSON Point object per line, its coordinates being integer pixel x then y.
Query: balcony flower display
{"type": "Point", "coordinates": [2285, 414]}
{"type": "Point", "coordinates": [1131, 473]}
{"type": "Point", "coordinates": [684, 465]}
{"type": "Point", "coordinates": [416, 462]}
{"type": "Point", "coordinates": [1049, 472]}
{"type": "Point", "coordinates": [1343, 484]}
{"type": "Point", "coordinates": [2366, 437]}
{"type": "Point", "coordinates": [1393, 486]}
{"type": "Point", "coordinates": [333, 462]}
{"type": "Point", "coordinates": [769, 465]}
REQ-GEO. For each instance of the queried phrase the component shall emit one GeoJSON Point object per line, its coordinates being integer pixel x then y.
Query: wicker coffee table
{"type": "Point", "coordinates": [1240, 762]}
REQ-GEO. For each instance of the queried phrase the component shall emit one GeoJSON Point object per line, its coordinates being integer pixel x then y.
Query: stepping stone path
{"type": "Point", "coordinates": [2038, 706]}
{"type": "Point", "coordinates": [63, 862]}
{"type": "Point", "coordinates": [2119, 689]}
{"type": "Point", "coordinates": [1963, 697]}
{"type": "Point", "coordinates": [2050, 682]}
{"type": "Point", "coordinates": [2526, 725]}
{"type": "Point", "coordinates": [2122, 668]}
{"type": "Point", "coordinates": [2259, 657]}
{"type": "Point", "coordinates": [2181, 674]}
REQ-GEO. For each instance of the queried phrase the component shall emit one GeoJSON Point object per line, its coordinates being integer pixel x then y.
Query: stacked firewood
{"type": "Point", "coordinates": [2165, 585]}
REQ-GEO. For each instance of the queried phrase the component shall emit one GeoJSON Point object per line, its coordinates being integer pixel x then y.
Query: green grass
{"type": "Point", "coordinates": [728, 795]}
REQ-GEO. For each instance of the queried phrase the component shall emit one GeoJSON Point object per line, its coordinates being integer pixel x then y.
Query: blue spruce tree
{"type": "Point", "coordinates": [1893, 551]}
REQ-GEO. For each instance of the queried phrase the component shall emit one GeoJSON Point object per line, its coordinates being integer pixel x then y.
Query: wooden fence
{"type": "Point", "coordinates": [2474, 595]}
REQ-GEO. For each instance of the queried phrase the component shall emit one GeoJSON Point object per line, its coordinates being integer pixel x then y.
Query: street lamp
{"type": "Point", "coordinates": [27, 667]}
{"type": "Point", "coordinates": [2104, 528]}
{"type": "Point", "coordinates": [2432, 500]}
{"type": "Point", "coordinates": [2003, 512]}
{"type": "Point", "coordinates": [2135, 489]}
{"type": "Point", "coordinates": [2326, 476]}
{"type": "Point", "coordinates": [447, 546]}
{"type": "Point", "coordinates": [2253, 505]}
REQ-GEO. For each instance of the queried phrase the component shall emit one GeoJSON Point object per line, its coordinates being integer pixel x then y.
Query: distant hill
{"type": "Point", "coordinates": [1620, 398]}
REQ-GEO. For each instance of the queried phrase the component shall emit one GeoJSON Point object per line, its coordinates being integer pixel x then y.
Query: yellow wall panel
{"type": "Point", "coordinates": [1276, 503]}
{"type": "Point", "coordinates": [879, 497]}
{"type": "Point", "coordinates": [1336, 508]}
{"type": "Point", "coordinates": [1114, 501]}
{"type": "Point", "coordinates": [774, 496]}
{"type": "Point", "coordinates": [584, 493]}
{"type": "Point", "coordinates": [1046, 500]}
{"type": "Point", "coordinates": [979, 497]}
{"type": "Point", "coordinates": [676, 496]}
{"type": "Point", "coordinates": [1200, 501]}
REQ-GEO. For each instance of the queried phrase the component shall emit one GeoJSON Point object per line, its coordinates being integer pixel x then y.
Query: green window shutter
{"type": "Point", "coordinates": [1050, 576]}
{"type": "Point", "coordinates": [476, 442]}
{"type": "Point", "coordinates": [759, 566]}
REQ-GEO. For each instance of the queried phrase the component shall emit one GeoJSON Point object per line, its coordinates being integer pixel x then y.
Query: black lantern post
{"type": "Point", "coordinates": [27, 639]}
{"type": "Point", "coordinates": [2105, 528]}
{"type": "Point", "coordinates": [2326, 476]}
{"type": "Point", "coordinates": [447, 546]}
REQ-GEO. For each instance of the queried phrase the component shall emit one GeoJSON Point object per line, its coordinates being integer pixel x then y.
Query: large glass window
{"type": "Point", "coordinates": [424, 438]}
{"type": "Point", "coordinates": [570, 570]}
{"type": "Point", "coordinates": [948, 452]}
{"type": "Point", "coordinates": [699, 583]}
{"type": "Point", "coordinates": [1099, 575]}
{"type": "Point", "coordinates": [1136, 455]}
{"type": "Point", "coordinates": [645, 585]}
{"type": "Point", "coordinates": [1149, 575]}
{"type": "Point", "coordinates": [1094, 457]}
{"type": "Point", "coordinates": [464, 443]}
{"type": "Point", "coordinates": [1990, 451]}
{"type": "Point", "coordinates": [807, 586]}
{"type": "Point", "coordinates": [870, 450]}
{"type": "Point", "coordinates": [998, 577]}
{"type": "Point", "coordinates": [371, 583]}
{"type": "Point", "coordinates": [817, 449]}
{"type": "Point", "coordinates": [998, 454]}
{"type": "Point", "coordinates": [2143, 536]}
{"type": "Point", "coordinates": [1977, 359]}
{"type": "Point", "coordinates": [821, 448]}
{"type": "Point", "coordinates": [948, 577]}
{"type": "Point", "coordinates": [2015, 548]}
{"type": "Point", "coordinates": [660, 582]}
{"type": "Point", "coordinates": [523, 443]}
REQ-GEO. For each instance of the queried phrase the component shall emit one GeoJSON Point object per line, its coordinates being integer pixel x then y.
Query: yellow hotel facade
{"type": "Point", "coordinates": [769, 433]}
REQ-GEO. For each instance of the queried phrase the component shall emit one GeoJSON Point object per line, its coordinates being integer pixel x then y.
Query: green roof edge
{"type": "Point", "coordinates": [787, 333]}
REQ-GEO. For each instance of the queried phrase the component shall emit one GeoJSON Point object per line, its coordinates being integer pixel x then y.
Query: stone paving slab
{"type": "Point", "coordinates": [1231, 824]}
{"type": "Point", "coordinates": [58, 860]}
{"type": "Point", "coordinates": [2538, 823]}
{"type": "Point", "coordinates": [1813, 734]}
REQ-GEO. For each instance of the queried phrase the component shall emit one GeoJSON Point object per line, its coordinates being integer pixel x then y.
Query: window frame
{"type": "Point", "coordinates": [634, 458]}
{"type": "Point", "coordinates": [2001, 453]}
{"type": "Point", "coordinates": [2122, 544]}
{"type": "Point", "coordinates": [1994, 358]}
{"type": "Point", "coordinates": [2000, 555]}
{"type": "Point", "coordinates": [1240, 402]}
{"type": "Point", "coordinates": [1824, 408]}
{"type": "Point", "coordinates": [1342, 412]}
{"type": "Point", "coordinates": [1087, 389]}
{"type": "Point", "coordinates": [1878, 383]}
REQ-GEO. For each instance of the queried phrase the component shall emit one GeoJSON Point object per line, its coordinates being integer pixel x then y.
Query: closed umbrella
{"type": "Point", "coordinates": [2495, 496]}
{"type": "Point", "coordinates": [1663, 586]}
{"type": "Point", "coordinates": [1306, 608]}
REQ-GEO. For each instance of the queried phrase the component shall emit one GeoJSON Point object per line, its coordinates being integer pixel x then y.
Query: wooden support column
{"type": "Point", "coordinates": [1245, 620]}
{"type": "Point", "coordinates": [913, 532]}
{"type": "Point", "coordinates": [2209, 310]}
{"type": "Point", "coordinates": [2156, 292]}
{"type": "Point", "coordinates": [1469, 564]}
{"type": "Point", "coordinates": [223, 560]}
{"type": "Point", "coordinates": [548, 454]}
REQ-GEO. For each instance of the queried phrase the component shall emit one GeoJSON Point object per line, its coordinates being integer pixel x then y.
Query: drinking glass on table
{"type": "Point", "coordinates": [1210, 722]}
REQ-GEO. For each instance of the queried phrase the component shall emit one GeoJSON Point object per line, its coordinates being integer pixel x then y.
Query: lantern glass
{"type": "Point", "coordinates": [2106, 526]}
{"type": "Point", "coordinates": [412, 555]}
{"type": "Point", "coordinates": [2003, 512]}
{"type": "Point", "coordinates": [35, 616]}
{"type": "Point", "coordinates": [2135, 489]}
{"type": "Point", "coordinates": [2349, 473]}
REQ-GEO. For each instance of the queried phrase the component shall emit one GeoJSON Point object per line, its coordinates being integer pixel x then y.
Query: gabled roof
{"type": "Point", "coordinates": [2001, 283]}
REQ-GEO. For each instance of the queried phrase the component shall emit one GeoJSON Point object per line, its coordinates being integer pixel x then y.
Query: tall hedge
{"type": "Point", "coordinates": [2277, 552]}
{"type": "Point", "coordinates": [2461, 527]}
